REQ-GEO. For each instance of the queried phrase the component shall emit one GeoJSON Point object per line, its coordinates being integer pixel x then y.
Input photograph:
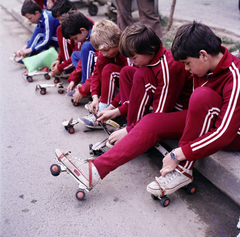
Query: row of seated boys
{"type": "Point", "coordinates": [194, 92]}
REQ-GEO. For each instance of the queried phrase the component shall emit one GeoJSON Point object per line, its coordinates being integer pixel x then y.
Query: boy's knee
{"type": "Point", "coordinates": [203, 96]}
{"type": "Point", "coordinates": [108, 70]}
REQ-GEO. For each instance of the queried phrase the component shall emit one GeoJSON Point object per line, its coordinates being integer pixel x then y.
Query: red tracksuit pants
{"type": "Point", "coordinates": [138, 87]}
{"type": "Point", "coordinates": [185, 125]}
{"type": "Point", "coordinates": [109, 82]}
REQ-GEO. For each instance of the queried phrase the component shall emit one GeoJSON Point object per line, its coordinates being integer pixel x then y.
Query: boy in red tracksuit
{"type": "Point", "coordinates": [66, 46]}
{"type": "Point", "coordinates": [105, 78]}
{"type": "Point", "coordinates": [158, 81]}
{"type": "Point", "coordinates": [210, 123]}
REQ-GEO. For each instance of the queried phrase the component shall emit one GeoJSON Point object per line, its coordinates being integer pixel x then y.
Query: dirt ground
{"type": "Point", "coordinates": [230, 40]}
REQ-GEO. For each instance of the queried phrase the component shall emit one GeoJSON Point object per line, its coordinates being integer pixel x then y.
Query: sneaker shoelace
{"type": "Point", "coordinates": [167, 179]}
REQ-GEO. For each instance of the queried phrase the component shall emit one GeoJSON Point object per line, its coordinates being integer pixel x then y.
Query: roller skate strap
{"type": "Point", "coordinates": [180, 170]}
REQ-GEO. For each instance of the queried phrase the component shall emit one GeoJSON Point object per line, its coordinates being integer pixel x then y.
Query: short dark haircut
{"type": "Point", "coordinates": [191, 38]}
{"type": "Point", "coordinates": [72, 22]}
{"type": "Point", "coordinates": [30, 7]}
{"type": "Point", "coordinates": [139, 39]}
{"type": "Point", "coordinates": [62, 6]}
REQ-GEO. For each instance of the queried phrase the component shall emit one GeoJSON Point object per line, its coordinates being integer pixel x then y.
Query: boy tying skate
{"type": "Point", "coordinates": [212, 121]}
{"type": "Point", "coordinates": [105, 78]}
{"type": "Point", "coordinates": [44, 34]}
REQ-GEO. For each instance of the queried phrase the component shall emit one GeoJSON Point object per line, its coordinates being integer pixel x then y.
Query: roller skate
{"type": "Point", "coordinates": [83, 171]}
{"type": "Point", "coordinates": [162, 186]}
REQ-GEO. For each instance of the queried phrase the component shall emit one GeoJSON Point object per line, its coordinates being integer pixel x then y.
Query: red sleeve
{"type": "Point", "coordinates": [84, 89]}
{"type": "Point", "coordinates": [60, 43]}
{"type": "Point", "coordinates": [76, 75]}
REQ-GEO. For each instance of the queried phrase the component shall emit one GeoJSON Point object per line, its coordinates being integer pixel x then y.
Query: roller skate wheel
{"type": "Point", "coordinates": [80, 195]}
{"type": "Point", "coordinates": [190, 188]}
{"type": "Point", "coordinates": [71, 130]}
{"type": "Point", "coordinates": [30, 79]}
{"type": "Point", "coordinates": [56, 80]}
{"type": "Point", "coordinates": [47, 76]}
{"type": "Point", "coordinates": [55, 169]}
{"type": "Point", "coordinates": [43, 91]}
{"type": "Point", "coordinates": [165, 201]}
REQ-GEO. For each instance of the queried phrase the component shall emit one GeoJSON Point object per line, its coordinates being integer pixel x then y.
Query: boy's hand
{"type": "Point", "coordinates": [107, 114]}
{"type": "Point", "coordinates": [54, 68]}
{"type": "Point", "coordinates": [93, 107]}
{"type": "Point", "coordinates": [169, 164]}
{"type": "Point", "coordinates": [70, 86]}
{"type": "Point", "coordinates": [24, 52]}
{"type": "Point", "coordinates": [117, 135]}
{"type": "Point", "coordinates": [77, 97]}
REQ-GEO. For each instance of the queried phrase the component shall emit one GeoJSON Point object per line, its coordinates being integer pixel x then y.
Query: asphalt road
{"type": "Point", "coordinates": [34, 203]}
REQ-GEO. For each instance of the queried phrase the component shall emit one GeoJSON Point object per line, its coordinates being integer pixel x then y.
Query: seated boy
{"type": "Point", "coordinates": [77, 27]}
{"type": "Point", "coordinates": [105, 78]}
{"type": "Point", "coordinates": [210, 124]}
{"type": "Point", "coordinates": [158, 81]}
{"type": "Point", "coordinates": [63, 63]}
{"type": "Point", "coordinates": [44, 34]}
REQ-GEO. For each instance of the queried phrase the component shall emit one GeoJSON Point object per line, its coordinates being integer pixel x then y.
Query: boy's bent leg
{"type": "Point", "coordinates": [142, 94]}
{"type": "Point", "coordinates": [151, 129]}
{"type": "Point", "coordinates": [125, 82]}
{"type": "Point", "coordinates": [202, 112]}
{"type": "Point", "coordinates": [75, 57]}
{"type": "Point", "coordinates": [109, 80]}
{"type": "Point", "coordinates": [87, 59]}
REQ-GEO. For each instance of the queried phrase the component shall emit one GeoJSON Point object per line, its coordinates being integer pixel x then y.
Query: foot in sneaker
{"type": "Point", "coordinates": [71, 93]}
{"type": "Point", "coordinates": [17, 62]}
{"type": "Point", "coordinates": [171, 182]}
{"type": "Point", "coordinates": [90, 122]}
{"type": "Point", "coordinates": [83, 170]}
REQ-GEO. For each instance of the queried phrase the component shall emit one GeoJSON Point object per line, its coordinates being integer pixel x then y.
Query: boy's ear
{"type": "Point", "coordinates": [203, 54]}
{"type": "Point", "coordinates": [83, 30]}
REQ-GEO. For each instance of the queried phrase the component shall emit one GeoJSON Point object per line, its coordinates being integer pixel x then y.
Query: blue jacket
{"type": "Point", "coordinates": [44, 33]}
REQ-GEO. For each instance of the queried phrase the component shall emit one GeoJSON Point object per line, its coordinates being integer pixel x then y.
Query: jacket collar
{"type": "Point", "coordinates": [157, 58]}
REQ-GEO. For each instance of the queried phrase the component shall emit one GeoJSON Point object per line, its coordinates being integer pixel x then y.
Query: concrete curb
{"type": "Point", "coordinates": [222, 169]}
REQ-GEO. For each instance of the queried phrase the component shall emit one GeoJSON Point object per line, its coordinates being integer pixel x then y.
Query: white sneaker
{"type": "Point", "coordinates": [90, 121]}
{"type": "Point", "coordinates": [82, 170]}
{"type": "Point", "coordinates": [171, 182]}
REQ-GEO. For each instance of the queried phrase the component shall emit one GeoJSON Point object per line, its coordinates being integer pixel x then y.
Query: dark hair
{"type": "Point", "coordinates": [30, 7]}
{"type": "Point", "coordinates": [193, 37]}
{"type": "Point", "coordinates": [72, 22]}
{"type": "Point", "coordinates": [139, 39]}
{"type": "Point", "coordinates": [62, 6]}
